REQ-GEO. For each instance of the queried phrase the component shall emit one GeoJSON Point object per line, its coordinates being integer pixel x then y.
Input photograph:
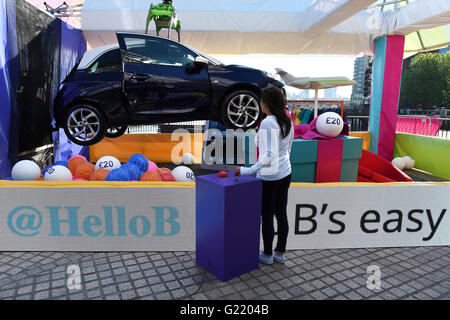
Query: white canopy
{"type": "Point", "coordinates": [268, 26]}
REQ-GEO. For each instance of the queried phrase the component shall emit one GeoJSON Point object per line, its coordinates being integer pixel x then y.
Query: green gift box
{"type": "Point", "coordinates": [304, 159]}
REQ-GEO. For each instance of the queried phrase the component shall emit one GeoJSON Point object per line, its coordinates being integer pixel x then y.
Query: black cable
{"type": "Point", "coordinates": [198, 289]}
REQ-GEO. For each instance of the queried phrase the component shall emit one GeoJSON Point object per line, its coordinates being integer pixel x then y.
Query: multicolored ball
{"type": "Point", "coordinates": [118, 175]}
{"type": "Point", "coordinates": [78, 156]}
{"type": "Point", "coordinates": [152, 167]}
{"type": "Point", "coordinates": [167, 176]}
{"type": "Point", "coordinates": [151, 176]}
{"type": "Point", "coordinates": [133, 170]}
{"type": "Point", "coordinates": [74, 162]}
{"type": "Point", "coordinates": [46, 169]}
{"type": "Point", "coordinates": [99, 175]}
{"type": "Point", "coordinates": [140, 161]}
{"type": "Point", "coordinates": [84, 170]}
{"type": "Point", "coordinates": [161, 170]}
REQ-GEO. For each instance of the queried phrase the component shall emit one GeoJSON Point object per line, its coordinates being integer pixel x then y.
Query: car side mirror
{"type": "Point", "coordinates": [199, 60]}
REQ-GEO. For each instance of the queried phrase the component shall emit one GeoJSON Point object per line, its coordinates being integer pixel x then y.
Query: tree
{"type": "Point", "coordinates": [426, 80]}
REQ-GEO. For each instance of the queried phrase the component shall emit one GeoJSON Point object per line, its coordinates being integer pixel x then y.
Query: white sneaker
{"type": "Point", "coordinates": [279, 258]}
{"type": "Point", "coordinates": [265, 259]}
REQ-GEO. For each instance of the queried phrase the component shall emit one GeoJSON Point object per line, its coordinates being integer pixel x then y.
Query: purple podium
{"type": "Point", "coordinates": [228, 216]}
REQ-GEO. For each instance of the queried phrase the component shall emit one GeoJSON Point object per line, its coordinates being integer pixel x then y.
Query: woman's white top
{"type": "Point", "coordinates": [274, 151]}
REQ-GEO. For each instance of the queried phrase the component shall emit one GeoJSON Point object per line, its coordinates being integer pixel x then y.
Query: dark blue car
{"type": "Point", "coordinates": [148, 80]}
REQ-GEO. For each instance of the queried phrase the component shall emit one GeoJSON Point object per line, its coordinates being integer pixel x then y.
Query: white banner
{"type": "Point", "coordinates": [369, 216]}
{"type": "Point", "coordinates": [163, 219]}
{"type": "Point", "coordinates": [97, 219]}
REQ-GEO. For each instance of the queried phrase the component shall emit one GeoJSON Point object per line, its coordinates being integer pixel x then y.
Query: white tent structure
{"type": "Point", "coordinates": [269, 26]}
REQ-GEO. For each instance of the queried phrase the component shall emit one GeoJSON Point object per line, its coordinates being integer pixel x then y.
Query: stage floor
{"type": "Point", "coordinates": [406, 273]}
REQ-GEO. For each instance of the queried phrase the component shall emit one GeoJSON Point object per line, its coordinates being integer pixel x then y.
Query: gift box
{"type": "Point", "coordinates": [335, 160]}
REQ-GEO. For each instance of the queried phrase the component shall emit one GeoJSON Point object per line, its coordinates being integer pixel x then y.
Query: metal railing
{"type": "Point", "coordinates": [191, 126]}
{"type": "Point", "coordinates": [358, 123]}
{"type": "Point", "coordinates": [361, 123]}
{"type": "Point", "coordinates": [444, 131]}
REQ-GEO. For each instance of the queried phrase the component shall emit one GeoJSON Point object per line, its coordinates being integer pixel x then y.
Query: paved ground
{"type": "Point", "coordinates": [406, 273]}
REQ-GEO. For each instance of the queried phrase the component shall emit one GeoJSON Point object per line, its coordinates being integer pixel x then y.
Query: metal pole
{"type": "Point", "coordinates": [316, 103]}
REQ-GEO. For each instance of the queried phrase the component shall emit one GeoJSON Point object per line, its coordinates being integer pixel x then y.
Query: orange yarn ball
{"type": "Point", "coordinates": [73, 164]}
{"type": "Point", "coordinates": [84, 170]}
{"type": "Point", "coordinates": [99, 175]}
{"type": "Point", "coordinates": [150, 176]}
{"type": "Point", "coordinates": [167, 176]}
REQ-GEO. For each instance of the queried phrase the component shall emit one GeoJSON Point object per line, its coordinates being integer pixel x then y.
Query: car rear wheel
{"type": "Point", "coordinates": [241, 110]}
{"type": "Point", "coordinates": [116, 132]}
{"type": "Point", "coordinates": [84, 125]}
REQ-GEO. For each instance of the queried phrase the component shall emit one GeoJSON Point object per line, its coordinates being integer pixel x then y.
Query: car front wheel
{"type": "Point", "coordinates": [241, 110]}
{"type": "Point", "coordinates": [84, 125]}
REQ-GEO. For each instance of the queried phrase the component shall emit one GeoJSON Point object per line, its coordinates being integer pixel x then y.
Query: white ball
{"type": "Point", "coordinates": [399, 163]}
{"type": "Point", "coordinates": [108, 163]}
{"type": "Point", "coordinates": [26, 170]}
{"type": "Point", "coordinates": [329, 124]}
{"type": "Point", "coordinates": [58, 173]}
{"type": "Point", "coordinates": [410, 162]}
{"type": "Point", "coordinates": [187, 158]}
{"type": "Point", "coordinates": [183, 174]}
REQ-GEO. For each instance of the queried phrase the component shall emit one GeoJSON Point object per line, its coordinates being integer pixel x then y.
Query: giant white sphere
{"type": "Point", "coordinates": [329, 124]}
{"type": "Point", "coordinates": [187, 158]}
{"type": "Point", "coordinates": [58, 173]}
{"type": "Point", "coordinates": [399, 163]}
{"type": "Point", "coordinates": [108, 163]}
{"type": "Point", "coordinates": [26, 170]}
{"type": "Point", "coordinates": [183, 174]}
{"type": "Point", "coordinates": [410, 162]}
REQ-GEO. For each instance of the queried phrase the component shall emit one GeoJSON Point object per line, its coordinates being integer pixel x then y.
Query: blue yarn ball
{"type": "Point", "coordinates": [133, 170]}
{"type": "Point", "coordinates": [118, 175]}
{"type": "Point", "coordinates": [9, 179]}
{"type": "Point", "coordinates": [61, 163]}
{"type": "Point", "coordinates": [140, 161]}
{"type": "Point", "coordinates": [46, 169]}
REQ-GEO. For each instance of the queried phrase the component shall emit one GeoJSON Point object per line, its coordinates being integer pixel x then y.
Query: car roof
{"type": "Point", "coordinates": [91, 55]}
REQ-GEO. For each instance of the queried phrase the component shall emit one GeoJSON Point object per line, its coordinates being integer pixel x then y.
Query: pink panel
{"type": "Point", "coordinates": [390, 97]}
{"type": "Point", "coordinates": [329, 160]}
{"type": "Point", "coordinates": [419, 125]}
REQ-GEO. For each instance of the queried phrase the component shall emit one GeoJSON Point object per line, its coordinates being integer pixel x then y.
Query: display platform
{"type": "Point", "coordinates": [158, 147]}
{"type": "Point", "coordinates": [160, 216]}
{"type": "Point", "coordinates": [155, 147]}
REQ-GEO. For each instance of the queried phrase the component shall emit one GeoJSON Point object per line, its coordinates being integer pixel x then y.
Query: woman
{"type": "Point", "coordinates": [274, 140]}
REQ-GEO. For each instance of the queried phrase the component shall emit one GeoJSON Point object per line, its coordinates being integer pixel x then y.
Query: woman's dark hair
{"type": "Point", "coordinates": [276, 102]}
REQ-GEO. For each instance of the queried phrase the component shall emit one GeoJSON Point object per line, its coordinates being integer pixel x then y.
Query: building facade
{"type": "Point", "coordinates": [361, 64]}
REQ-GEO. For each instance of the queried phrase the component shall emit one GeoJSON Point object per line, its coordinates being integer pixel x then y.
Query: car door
{"type": "Point", "coordinates": [161, 78]}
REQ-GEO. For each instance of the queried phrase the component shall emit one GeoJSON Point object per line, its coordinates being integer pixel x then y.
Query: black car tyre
{"type": "Point", "coordinates": [241, 110]}
{"type": "Point", "coordinates": [84, 125]}
{"type": "Point", "coordinates": [116, 132]}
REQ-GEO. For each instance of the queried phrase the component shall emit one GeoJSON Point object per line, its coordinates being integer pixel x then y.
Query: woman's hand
{"type": "Point", "coordinates": [237, 171]}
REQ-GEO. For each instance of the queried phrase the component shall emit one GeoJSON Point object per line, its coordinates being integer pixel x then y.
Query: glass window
{"type": "Point", "coordinates": [157, 51]}
{"type": "Point", "coordinates": [108, 62]}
